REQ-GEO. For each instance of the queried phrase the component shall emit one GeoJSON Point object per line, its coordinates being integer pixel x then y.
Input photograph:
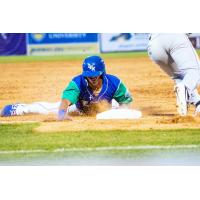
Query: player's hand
{"type": "Point", "coordinates": [67, 117]}
{"type": "Point", "coordinates": [125, 106]}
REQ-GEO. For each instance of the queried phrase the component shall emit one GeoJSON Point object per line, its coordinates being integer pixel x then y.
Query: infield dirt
{"type": "Point", "coordinates": [44, 81]}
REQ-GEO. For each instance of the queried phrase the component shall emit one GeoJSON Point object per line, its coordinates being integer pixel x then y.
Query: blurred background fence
{"type": "Point", "coordinates": [75, 43]}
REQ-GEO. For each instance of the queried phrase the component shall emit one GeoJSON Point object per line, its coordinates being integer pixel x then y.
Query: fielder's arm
{"type": "Point", "coordinates": [123, 96]}
{"type": "Point", "coordinates": [70, 96]}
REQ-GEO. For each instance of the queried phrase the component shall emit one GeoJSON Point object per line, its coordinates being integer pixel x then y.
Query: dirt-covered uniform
{"type": "Point", "coordinates": [79, 93]}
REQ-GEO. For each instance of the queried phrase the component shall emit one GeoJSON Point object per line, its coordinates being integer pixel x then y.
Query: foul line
{"type": "Point", "coordinates": [150, 147]}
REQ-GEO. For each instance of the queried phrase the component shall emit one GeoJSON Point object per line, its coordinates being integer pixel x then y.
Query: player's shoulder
{"type": "Point", "coordinates": [113, 79]}
{"type": "Point", "coordinates": [77, 78]}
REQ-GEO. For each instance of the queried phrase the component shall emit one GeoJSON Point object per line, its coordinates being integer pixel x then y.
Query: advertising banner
{"type": "Point", "coordinates": [119, 42]}
{"type": "Point", "coordinates": [12, 44]}
{"type": "Point", "coordinates": [62, 43]}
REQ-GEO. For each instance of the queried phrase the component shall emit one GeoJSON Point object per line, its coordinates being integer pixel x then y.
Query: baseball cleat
{"type": "Point", "coordinates": [11, 110]}
{"type": "Point", "coordinates": [197, 110]}
{"type": "Point", "coordinates": [181, 99]}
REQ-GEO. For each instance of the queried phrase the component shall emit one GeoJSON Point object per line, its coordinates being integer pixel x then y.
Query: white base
{"type": "Point", "coordinates": [120, 114]}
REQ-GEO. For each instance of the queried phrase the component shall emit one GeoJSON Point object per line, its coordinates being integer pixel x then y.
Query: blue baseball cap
{"type": "Point", "coordinates": [93, 66]}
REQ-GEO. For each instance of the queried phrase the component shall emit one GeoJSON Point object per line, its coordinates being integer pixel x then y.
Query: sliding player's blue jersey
{"type": "Point", "coordinates": [78, 91]}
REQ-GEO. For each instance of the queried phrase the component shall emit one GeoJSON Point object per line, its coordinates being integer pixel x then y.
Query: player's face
{"type": "Point", "coordinates": [94, 80]}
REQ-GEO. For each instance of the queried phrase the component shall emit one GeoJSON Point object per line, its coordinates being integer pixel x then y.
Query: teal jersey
{"type": "Point", "coordinates": [78, 91]}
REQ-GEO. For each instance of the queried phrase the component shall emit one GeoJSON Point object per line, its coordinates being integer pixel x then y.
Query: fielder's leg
{"type": "Point", "coordinates": [186, 59]}
{"type": "Point", "coordinates": [158, 51]}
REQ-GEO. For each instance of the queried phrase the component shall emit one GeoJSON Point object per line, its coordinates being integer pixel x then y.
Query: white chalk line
{"type": "Point", "coordinates": [89, 149]}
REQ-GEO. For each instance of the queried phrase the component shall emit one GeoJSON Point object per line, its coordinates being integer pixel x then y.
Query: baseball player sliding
{"type": "Point", "coordinates": [176, 56]}
{"type": "Point", "coordinates": [83, 94]}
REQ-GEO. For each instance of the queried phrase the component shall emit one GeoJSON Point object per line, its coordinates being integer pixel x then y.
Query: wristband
{"type": "Point", "coordinates": [61, 114]}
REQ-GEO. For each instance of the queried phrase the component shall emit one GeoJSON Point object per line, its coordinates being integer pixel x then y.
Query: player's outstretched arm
{"type": "Point", "coordinates": [62, 112]}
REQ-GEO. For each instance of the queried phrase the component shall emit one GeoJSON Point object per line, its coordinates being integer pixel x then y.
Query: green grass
{"type": "Point", "coordinates": [23, 136]}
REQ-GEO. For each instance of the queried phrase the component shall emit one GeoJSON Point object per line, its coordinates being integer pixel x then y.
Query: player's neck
{"type": "Point", "coordinates": [96, 87]}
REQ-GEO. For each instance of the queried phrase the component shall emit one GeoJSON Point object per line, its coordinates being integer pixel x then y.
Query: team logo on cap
{"type": "Point", "coordinates": [91, 67]}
